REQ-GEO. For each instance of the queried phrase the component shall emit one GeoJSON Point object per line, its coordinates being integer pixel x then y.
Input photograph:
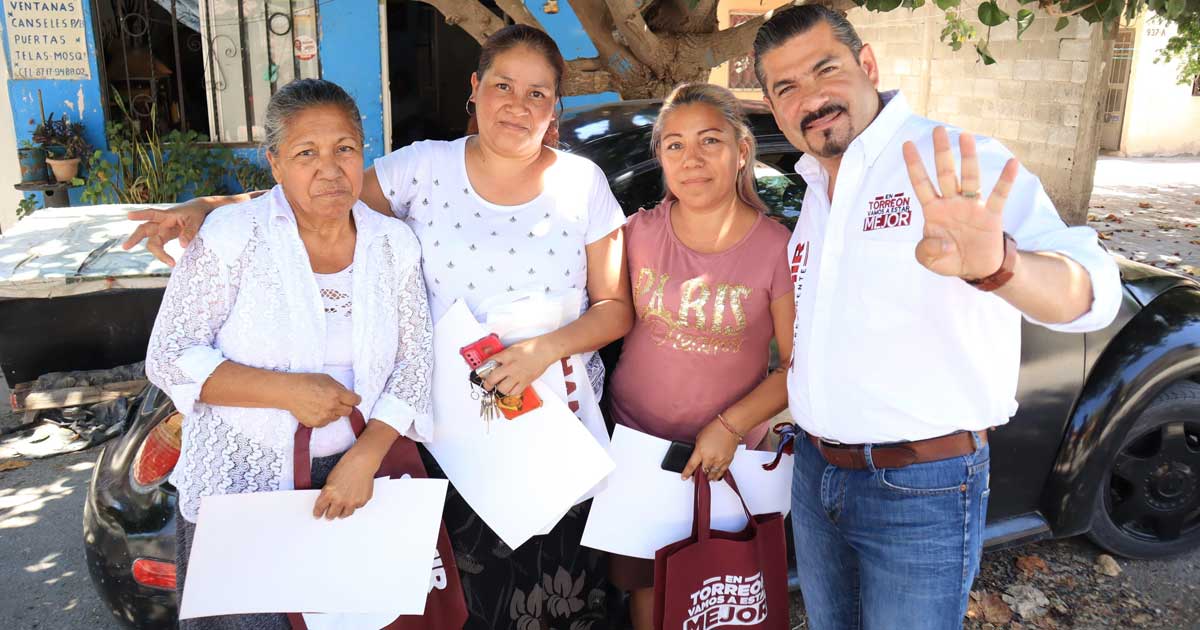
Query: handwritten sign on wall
{"type": "Point", "coordinates": [46, 39]}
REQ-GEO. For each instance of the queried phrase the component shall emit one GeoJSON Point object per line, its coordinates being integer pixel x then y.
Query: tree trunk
{"type": "Point", "coordinates": [644, 48]}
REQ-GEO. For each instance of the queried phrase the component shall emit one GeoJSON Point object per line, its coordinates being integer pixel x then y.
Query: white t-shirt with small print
{"type": "Point", "coordinates": [475, 250]}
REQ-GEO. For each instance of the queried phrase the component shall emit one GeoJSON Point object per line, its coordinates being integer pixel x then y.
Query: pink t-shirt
{"type": "Point", "coordinates": [701, 340]}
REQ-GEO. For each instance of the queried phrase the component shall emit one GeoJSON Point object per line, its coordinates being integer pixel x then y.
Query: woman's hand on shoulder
{"type": "Point", "coordinates": [349, 487]}
{"type": "Point", "coordinates": [318, 399]}
{"type": "Point", "coordinates": [161, 226]}
{"type": "Point", "coordinates": [715, 448]}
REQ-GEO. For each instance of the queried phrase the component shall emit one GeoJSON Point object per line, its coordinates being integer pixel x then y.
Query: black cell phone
{"type": "Point", "coordinates": [677, 456]}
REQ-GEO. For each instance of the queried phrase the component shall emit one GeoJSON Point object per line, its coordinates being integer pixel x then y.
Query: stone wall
{"type": "Point", "coordinates": [1041, 98]}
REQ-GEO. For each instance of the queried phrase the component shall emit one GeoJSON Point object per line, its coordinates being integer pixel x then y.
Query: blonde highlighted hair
{"type": "Point", "coordinates": [730, 109]}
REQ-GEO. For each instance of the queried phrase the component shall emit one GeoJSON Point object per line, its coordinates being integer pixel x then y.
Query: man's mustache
{"type": "Point", "coordinates": [821, 113]}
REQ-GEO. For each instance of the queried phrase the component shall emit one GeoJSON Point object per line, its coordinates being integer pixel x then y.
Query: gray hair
{"type": "Point", "coordinates": [730, 109]}
{"type": "Point", "coordinates": [798, 20]}
{"type": "Point", "coordinates": [300, 95]}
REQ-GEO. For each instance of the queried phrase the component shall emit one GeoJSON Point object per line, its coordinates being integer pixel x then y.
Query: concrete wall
{"type": "Point", "coordinates": [10, 169]}
{"type": "Point", "coordinates": [1161, 116]}
{"type": "Point", "coordinates": [1041, 98]}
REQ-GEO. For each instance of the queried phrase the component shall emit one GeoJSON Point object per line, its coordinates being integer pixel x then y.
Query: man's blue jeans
{"type": "Point", "coordinates": [888, 549]}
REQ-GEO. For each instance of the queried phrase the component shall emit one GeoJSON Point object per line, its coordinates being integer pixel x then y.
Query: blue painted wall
{"type": "Point", "coordinates": [350, 56]}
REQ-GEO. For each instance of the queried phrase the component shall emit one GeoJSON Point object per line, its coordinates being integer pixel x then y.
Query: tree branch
{"type": "Point", "coordinates": [643, 42]}
{"type": "Point", "coordinates": [587, 76]}
{"type": "Point", "coordinates": [684, 19]}
{"type": "Point", "coordinates": [470, 16]}
{"type": "Point", "coordinates": [520, 13]}
{"type": "Point", "coordinates": [585, 64]}
{"type": "Point", "coordinates": [596, 21]}
{"type": "Point", "coordinates": [716, 48]}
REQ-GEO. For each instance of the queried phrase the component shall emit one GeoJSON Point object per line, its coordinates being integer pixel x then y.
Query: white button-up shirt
{"type": "Point", "coordinates": [887, 350]}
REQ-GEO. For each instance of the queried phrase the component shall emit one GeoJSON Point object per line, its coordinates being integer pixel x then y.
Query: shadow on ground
{"type": "Point", "coordinates": [44, 583]}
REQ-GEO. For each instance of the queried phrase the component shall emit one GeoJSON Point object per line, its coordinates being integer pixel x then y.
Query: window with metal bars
{"type": "Point", "coordinates": [252, 47]}
{"type": "Point", "coordinates": [204, 65]}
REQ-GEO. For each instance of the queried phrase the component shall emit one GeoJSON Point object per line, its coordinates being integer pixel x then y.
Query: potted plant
{"type": "Point", "coordinates": [65, 145]}
{"type": "Point", "coordinates": [33, 163]}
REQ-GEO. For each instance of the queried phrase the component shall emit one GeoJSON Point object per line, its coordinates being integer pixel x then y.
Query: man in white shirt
{"type": "Point", "coordinates": [909, 298]}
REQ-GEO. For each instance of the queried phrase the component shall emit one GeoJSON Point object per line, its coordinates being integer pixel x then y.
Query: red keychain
{"type": "Point", "coordinates": [477, 357]}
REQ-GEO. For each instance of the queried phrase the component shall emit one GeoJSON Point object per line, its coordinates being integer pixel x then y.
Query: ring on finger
{"type": "Point", "coordinates": [971, 194]}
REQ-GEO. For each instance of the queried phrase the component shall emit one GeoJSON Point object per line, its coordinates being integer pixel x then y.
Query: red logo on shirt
{"type": "Point", "coordinates": [799, 260]}
{"type": "Point", "coordinates": [887, 211]}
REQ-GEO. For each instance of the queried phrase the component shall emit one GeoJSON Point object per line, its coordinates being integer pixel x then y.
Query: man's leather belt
{"type": "Point", "coordinates": [901, 454]}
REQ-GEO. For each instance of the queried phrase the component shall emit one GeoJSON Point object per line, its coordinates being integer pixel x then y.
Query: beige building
{"type": "Point", "coordinates": [1146, 110]}
{"type": "Point", "coordinates": [1041, 98]}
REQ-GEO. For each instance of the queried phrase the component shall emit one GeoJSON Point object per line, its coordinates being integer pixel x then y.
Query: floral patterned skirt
{"type": "Point", "coordinates": [550, 583]}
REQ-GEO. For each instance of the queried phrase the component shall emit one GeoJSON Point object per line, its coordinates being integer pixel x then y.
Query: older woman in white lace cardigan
{"type": "Point", "coordinates": [291, 309]}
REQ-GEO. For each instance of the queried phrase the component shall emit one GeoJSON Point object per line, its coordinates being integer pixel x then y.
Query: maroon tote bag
{"type": "Point", "coordinates": [445, 609]}
{"type": "Point", "coordinates": [716, 579]}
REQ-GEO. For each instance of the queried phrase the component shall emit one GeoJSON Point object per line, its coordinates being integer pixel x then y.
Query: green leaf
{"type": "Point", "coordinates": [984, 55]}
{"type": "Point", "coordinates": [991, 14]}
{"type": "Point", "coordinates": [1026, 1]}
{"type": "Point", "coordinates": [1062, 23]}
{"type": "Point", "coordinates": [917, 4]}
{"type": "Point", "coordinates": [1175, 8]}
{"type": "Point", "coordinates": [946, 4]}
{"type": "Point", "coordinates": [888, 5]}
{"type": "Point", "coordinates": [1024, 21]}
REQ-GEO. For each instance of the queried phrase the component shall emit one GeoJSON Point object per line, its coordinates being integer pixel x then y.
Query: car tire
{"type": "Point", "coordinates": [1148, 505]}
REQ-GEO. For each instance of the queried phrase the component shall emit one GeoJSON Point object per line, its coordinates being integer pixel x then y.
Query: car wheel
{"type": "Point", "coordinates": [1149, 505]}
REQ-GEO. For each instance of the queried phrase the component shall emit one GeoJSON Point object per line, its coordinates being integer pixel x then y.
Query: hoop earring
{"type": "Point", "coordinates": [467, 106]}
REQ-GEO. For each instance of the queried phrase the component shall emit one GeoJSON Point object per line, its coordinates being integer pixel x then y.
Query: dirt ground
{"type": "Point", "coordinates": [1148, 210]}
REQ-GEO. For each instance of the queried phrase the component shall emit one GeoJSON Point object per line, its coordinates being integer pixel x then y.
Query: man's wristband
{"type": "Point", "coordinates": [1004, 273]}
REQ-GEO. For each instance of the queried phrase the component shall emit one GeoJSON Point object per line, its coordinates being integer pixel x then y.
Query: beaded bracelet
{"type": "Point", "coordinates": [727, 425]}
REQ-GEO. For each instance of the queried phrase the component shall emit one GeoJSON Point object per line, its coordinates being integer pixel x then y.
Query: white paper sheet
{"type": "Point", "coordinates": [264, 552]}
{"type": "Point", "coordinates": [644, 508]}
{"type": "Point", "coordinates": [518, 475]}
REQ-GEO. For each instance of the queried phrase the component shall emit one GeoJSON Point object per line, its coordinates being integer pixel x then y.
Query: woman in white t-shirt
{"type": "Point", "coordinates": [502, 216]}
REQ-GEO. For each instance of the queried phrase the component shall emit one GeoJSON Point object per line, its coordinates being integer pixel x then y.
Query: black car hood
{"type": "Point", "coordinates": [1146, 283]}
{"type": "Point", "coordinates": [616, 136]}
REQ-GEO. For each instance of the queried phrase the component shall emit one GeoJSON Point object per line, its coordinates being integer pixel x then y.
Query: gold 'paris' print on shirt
{"type": "Point", "coordinates": [700, 323]}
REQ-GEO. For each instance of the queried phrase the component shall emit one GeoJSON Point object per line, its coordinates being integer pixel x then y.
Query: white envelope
{"type": "Point", "coordinates": [644, 508]}
{"type": "Point", "coordinates": [264, 552]}
{"type": "Point", "coordinates": [518, 475]}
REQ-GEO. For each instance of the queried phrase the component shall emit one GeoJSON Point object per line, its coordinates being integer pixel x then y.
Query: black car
{"type": "Point", "coordinates": [1106, 441]}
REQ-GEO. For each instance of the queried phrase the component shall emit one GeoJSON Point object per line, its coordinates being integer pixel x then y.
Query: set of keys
{"type": "Point", "coordinates": [479, 391]}
{"type": "Point", "coordinates": [493, 405]}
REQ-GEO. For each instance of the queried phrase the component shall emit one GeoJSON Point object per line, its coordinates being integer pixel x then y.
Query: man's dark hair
{"type": "Point", "coordinates": [798, 20]}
